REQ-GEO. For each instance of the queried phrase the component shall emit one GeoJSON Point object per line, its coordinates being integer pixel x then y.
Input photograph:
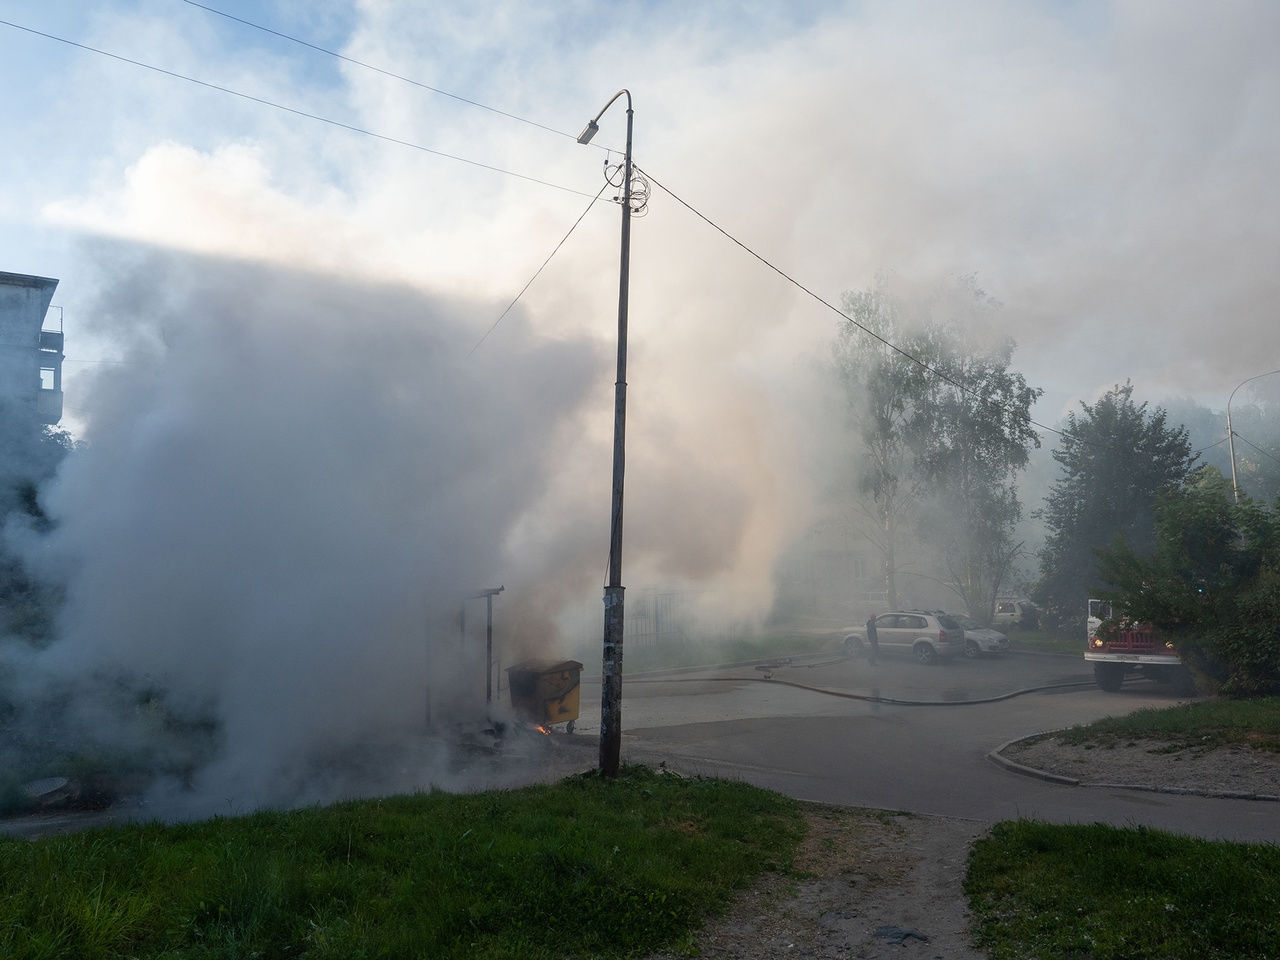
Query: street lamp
{"type": "Point", "coordinates": [1231, 437]}
{"type": "Point", "coordinates": [611, 686]}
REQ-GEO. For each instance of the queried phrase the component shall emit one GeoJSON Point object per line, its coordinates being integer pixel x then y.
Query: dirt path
{"type": "Point", "coordinates": [875, 885]}
{"type": "Point", "coordinates": [872, 885]}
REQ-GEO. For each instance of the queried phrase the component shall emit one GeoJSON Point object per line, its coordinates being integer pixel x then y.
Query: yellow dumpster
{"type": "Point", "coordinates": [544, 692]}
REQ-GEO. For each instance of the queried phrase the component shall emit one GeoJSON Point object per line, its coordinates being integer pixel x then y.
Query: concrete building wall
{"type": "Point", "coordinates": [26, 350]}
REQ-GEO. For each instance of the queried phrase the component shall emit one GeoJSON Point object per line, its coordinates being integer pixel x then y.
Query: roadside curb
{"type": "Point", "coordinates": [997, 757]}
{"type": "Point", "coordinates": [1191, 792]}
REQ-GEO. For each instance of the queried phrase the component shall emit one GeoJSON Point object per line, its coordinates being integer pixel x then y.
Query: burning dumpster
{"type": "Point", "coordinates": [544, 692]}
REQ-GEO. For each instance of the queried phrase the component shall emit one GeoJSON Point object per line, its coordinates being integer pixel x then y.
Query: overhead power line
{"type": "Point", "coordinates": [539, 270]}
{"type": "Point", "coordinates": [929, 368]}
{"type": "Point", "coordinates": [1257, 448]}
{"type": "Point", "coordinates": [385, 73]}
{"type": "Point", "coordinates": [1216, 443]}
{"type": "Point", "coordinates": [293, 110]}
{"type": "Point", "coordinates": [940, 374]}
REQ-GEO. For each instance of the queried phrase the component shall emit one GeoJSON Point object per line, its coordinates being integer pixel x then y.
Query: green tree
{"type": "Point", "coordinates": [29, 456]}
{"type": "Point", "coordinates": [944, 426]}
{"type": "Point", "coordinates": [880, 387]}
{"type": "Point", "coordinates": [973, 440]}
{"type": "Point", "coordinates": [1211, 583]}
{"type": "Point", "coordinates": [1115, 457]}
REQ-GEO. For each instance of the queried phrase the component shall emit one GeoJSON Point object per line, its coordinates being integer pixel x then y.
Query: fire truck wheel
{"type": "Point", "coordinates": [1110, 676]}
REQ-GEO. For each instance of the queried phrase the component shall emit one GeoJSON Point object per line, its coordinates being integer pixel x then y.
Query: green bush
{"type": "Point", "coordinates": [1244, 656]}
{"type": "Point", "coordinates": [1210, 585]}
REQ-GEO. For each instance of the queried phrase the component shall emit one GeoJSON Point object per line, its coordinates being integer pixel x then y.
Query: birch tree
{"type": "Point", "coordinates": [943, 427]}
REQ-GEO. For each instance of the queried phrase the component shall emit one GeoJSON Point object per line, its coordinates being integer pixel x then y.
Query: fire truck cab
{"type": "Point", "coordinates": [1118, 647]}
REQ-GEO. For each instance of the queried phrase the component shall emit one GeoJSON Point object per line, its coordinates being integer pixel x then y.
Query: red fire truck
{"type": "Point", "coordinates": [1118, 647]}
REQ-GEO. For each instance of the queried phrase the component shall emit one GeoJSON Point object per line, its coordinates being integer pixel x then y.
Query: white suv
{"type": "Point", "coordinates": [1016, 613]}
{"type": "Point", "coordinates": [929, 637]}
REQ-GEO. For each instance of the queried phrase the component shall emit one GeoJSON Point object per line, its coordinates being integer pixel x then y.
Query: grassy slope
{"type": "Point", "coordinates": [1205, 723]}
{"type": "Point", "coordinates": [587, 866]}
{"type": "Point", "coordinates": [1045, 640]}
{"type": "Point", "coordinates": [1095, 891]}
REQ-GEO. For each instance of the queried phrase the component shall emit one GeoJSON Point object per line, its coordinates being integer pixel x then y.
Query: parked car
{"type": "Point", "coordinates": [979, 640]}
{"type": "Point", "coordinates": [1016, 613]}
{"type": "Point", "coordinates": [929, 637]}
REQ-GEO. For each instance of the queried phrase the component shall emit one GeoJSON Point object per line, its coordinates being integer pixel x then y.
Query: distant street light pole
{"type": "Point", "coordinates": [611, 692]}
{"type": "Point", "coordinates": [1231, 437]}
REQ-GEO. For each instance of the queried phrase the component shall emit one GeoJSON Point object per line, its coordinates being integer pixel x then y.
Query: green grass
{"type": "Point", "coordinates": [1047, 640]}
{"type": "Point", "coordinates": [698, 653]}
{"type": "Point", "coordinates": [1207, 723]}
{"type": "Point", "coordinates": [1104, 893]}
{"type": "Point", "coordinates": [586, 867]}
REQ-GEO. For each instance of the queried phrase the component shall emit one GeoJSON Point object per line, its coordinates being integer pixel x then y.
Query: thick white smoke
{"type": "Point", "coordinates": [286, 490]}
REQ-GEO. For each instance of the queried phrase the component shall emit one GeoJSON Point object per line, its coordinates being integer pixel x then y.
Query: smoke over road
{"type": "Point", "coordinates": [287, 487]}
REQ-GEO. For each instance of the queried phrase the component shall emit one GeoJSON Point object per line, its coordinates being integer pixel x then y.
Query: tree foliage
{"type": "Point", "coordinates": [1211, 583]}
{"type": "Point", "coordinates": [943, 425]}
{"type": "Point", "coordinates": [974, 438]}
{"type": "Point", "coordinates": [1116, 457]}
{"type": "Point", "coordinates": [1255, 424]}
{"type": "Point", "coordinates": [29, 456]}
{"type": "Point", "coordinates": [880, 385]}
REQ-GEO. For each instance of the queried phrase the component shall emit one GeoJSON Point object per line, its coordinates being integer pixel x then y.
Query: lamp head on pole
{"type": "Point", "coordinates": [588, 132]}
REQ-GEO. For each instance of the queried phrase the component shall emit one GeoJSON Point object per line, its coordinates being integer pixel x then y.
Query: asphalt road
{"type": "Point", "coordinates": [816, 731]}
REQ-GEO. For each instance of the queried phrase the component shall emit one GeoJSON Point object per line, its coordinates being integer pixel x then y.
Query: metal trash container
{"type": "Point", "coordinates": [544, 692]}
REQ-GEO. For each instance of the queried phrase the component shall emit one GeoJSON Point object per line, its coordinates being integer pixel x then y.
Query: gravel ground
{"type": "Point", "coordinates": [872, 885]}
{"type": "Point", "coordinates": [876, 885]}
{"type": "Point", "coordinates": [1229, 770]}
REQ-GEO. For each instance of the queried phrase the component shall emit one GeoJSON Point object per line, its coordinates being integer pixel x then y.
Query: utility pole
{"type": "Point", "coordinates": [611, 681]}
{"type": "Point", "coordinates": [1231, 436]}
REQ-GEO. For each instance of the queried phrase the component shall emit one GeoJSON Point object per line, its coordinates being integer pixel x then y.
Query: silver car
{"type": "Point", "coordinates": [929, 637]}
{"type": "Point", "coordinates": [978, 639]}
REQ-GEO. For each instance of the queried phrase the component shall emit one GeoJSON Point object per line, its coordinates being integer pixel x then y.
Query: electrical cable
{"type": "Point", "coordinates": [538, 271]}
{"type": "Point", "coordinates": [640, 189]}
{"type": "Point", "coordinates": [293, 110]}
{"type": "Point", "coordinates": [1216, 443]}
{"type": "Point", "coordinates": [385, 73]}
{"type": "Point", "coordinates": [1256, 447]}
{"type": "Point", "coordinates": [914, 359]}
{"type": "Point", "coordinates": [941, 375]}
